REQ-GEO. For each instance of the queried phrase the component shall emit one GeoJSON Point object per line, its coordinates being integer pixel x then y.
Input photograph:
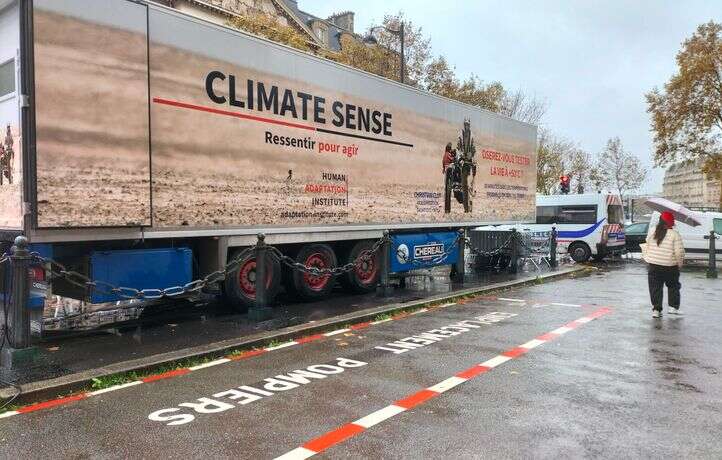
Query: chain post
{"type": "Point", "coordinates": [384, 289]}
{"type": "Point", "coordinates": [459, 267]}
{"type": "Point", "coordinates": [553, 248]}
{"type": "Point", "coordinates": [19, 315]}
{"type": "Point", "coordinates": [515, 243]}
{"type": "Point", "coordinates": [261, 311]}
{"type": "Point", "coordinates": [712, 269]}
{"type": "Point", "coordinates": [19, 351]}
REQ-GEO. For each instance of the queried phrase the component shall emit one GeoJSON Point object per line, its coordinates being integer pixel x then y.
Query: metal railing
{"type": "Point", "coordinates": [19, 261]}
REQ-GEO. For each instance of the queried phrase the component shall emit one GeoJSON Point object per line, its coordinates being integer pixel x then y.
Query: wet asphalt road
{"type": "Point", "coordinates": [621, 386]}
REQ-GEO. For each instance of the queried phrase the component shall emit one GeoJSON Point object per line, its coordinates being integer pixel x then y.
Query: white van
{"type": "Point", "coordinates": [588, 225]}
{"type": "Point", "coordinates": [696, 247]}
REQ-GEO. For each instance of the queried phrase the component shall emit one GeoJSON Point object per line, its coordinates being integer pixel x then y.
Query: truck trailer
{"type": "Point", "coordinates": [146, 148]}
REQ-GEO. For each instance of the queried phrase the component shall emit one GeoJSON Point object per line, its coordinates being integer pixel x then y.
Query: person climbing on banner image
{"type": "Point", "coordinates": [664, 253]}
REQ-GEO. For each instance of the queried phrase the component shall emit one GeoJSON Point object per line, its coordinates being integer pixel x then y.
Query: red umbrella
{"type": "Point", "coordinates": [680, 213]}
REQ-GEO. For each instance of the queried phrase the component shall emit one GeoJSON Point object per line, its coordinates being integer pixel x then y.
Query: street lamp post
{"type": "Point", "coordinates": [402, 38]}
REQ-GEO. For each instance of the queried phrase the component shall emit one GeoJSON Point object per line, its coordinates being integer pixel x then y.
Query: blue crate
{"type": "Point", "coordinates": [140, 269]}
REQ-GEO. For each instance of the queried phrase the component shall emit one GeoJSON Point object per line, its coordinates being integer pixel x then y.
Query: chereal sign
{"type": "Point", "coordinates": [422, 250]}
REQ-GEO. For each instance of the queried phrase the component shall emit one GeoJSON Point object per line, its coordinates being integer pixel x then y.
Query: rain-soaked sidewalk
{"type": "Point", "coordinates": [162, 330]}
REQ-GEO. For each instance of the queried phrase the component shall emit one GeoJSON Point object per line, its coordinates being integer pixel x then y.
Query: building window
{"type": "Point", "coordinates": [7, 78]}
{"type": "Point", "coordinates": [322, 33]}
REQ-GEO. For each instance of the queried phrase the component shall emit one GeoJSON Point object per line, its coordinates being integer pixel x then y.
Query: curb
{"type": "Point", "coordinates": [51, 388]}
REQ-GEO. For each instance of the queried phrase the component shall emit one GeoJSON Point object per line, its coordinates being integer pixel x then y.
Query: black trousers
{"type": "Point", "coordinates": [658, 276]}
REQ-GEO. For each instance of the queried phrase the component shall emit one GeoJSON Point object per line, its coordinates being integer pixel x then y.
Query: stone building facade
{"type": "Point", "coordinates": [321, 33]}
{"type": "Point", "coordinates": [686, 184]}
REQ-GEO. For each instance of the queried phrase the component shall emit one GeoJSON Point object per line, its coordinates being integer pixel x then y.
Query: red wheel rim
{"type": "Point", "coordinates": [366, 270]}
{"type": "Point", "coordinates": [316, 283]}
{"type": "Point", "coordinates": [247, 278]}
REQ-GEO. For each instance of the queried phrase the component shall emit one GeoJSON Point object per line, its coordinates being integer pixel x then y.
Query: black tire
{"type": "Point", "coordinates": [447, 191]}
{"type": "Point", "coordinates": [580, 252]}
{"type": "Point", "coordinates": [309, 287]}
{"type": "Point", "coordinates": [366, 277]}
{"type": "Point", "coordinates": [239, 289]}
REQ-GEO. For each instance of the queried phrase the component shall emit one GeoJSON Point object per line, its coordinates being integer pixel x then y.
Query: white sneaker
{"type": "Point", "coordinates": [656, 314]}
{"type": "Point", "coordinates": [674, 311]}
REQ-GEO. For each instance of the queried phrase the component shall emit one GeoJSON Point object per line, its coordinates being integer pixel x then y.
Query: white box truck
{"type": "Point", "coordinates": [147, 147]}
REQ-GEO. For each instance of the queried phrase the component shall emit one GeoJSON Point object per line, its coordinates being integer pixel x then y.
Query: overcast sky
{"type": "Point", "coordinates": [592, 61]}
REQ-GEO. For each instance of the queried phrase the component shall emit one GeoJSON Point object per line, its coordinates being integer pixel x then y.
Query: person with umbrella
{"type": "Point", "coordinates": [665, 256]}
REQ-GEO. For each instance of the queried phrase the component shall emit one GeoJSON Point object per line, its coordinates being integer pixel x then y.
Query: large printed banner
{"type": "Point", "coordinates": [243, 133]}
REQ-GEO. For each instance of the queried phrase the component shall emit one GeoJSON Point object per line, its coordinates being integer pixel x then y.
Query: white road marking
{"type": "Point", "coordinates": [337, 331]}
{"type": "Point", "coordinates": [532, 344]}
{"type": "Point", "coordinates": [495, 361]}
{"type": "Point", "coordinates": [298, 453]}
{"type": "Point", "coordinates": [9, 413]}
{"type": "Point", "coordinates": [283, 345]}
{"type": "Point", "coordinates": [584, 319]}
{"type": "Point", "coordinates": [565, 304]}
{"type": "Point", "coordinates": [332, 438]}
{"type": "Point", "coordinates": [379, 416]}
{"type": "Point", "coordinates": [446, 305]}
{"type": "Point", "coordinates": [209, 364]}
{"type": "Point", "coordinates": [382, 321]}
{"type": "Point", "coordinates": [447, 384]}
{"type": "Point", "coordinates": [510, 300]}
{"type": "Point", "coordinates": [561, 330]}
{"type": "Point", "coordinates": [114, 387]}
{"type": "Point", "coordinates": [416, 312]}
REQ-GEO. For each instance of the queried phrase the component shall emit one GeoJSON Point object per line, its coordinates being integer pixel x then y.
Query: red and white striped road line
{"type": "Point", "coordinates": [349, 430]}
{"type": "Point", "coordinates": [186, 370]}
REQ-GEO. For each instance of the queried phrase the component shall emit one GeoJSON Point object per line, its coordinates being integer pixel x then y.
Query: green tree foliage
{"type": "Point", "coordinates": [687, 114]}
{"type": "Point", "coordinates": [551, 152]}
{"type": "Point", "coordinates": [266, 26]}
{"type": "Point", "coordinates": [417, 47]}
{"type": "Point", "coordinates": [384, 59]}
{"type": "Point", "coordinates": [440, 78]}
{"type": "Point", "coordinates": [374, 59]}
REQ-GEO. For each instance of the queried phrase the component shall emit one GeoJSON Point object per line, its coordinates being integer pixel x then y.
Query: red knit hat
{"type": "Point", "coordinates": [668, 219]}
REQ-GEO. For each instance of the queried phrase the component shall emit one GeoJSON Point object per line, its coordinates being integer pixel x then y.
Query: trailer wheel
{"type": "Point", "coordinates": [240, 284]}
{"type": "Point", "coordinates": [366, 276]}
{"type": "Point", "coordinates": [310, 287]}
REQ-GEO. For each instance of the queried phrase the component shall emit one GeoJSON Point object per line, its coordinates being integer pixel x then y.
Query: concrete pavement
{"type": "Point", "coordinates": [616, 384]}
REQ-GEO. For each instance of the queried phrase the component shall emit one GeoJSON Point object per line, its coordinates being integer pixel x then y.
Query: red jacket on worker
{"type": "Point", "coordinates": [449, 155]}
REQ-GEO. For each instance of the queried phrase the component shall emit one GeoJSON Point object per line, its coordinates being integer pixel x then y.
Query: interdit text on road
{"type": "Point", "coordinates": [243, 395]}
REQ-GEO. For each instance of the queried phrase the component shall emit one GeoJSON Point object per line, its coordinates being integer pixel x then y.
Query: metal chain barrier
{"type": "Point", "coordinates": [75, 278]}
{"type": "Point", "coordinates": [58, 270]}
{"type": "Point", "coordinates": [364, 256]}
